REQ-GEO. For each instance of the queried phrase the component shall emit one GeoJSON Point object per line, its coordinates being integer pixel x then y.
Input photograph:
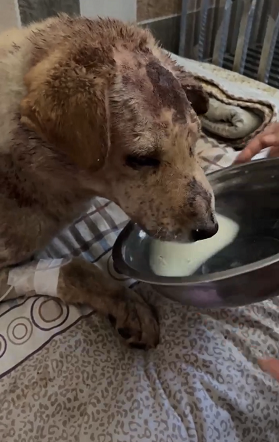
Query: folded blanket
{"type": "Point", "coordinates": [232, 120]}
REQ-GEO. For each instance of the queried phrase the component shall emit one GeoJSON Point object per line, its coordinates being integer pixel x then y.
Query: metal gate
{"type": "Point", "coordinates": [246, 39]}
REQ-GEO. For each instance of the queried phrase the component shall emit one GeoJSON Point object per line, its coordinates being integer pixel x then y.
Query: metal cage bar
{"type": "Point", "coordinates": [244, 35]}
{"type": "Point", "coordinates": [246, 39]}
{"type": "Point", "coordinates": [202, 28]}
{"type": "Point", "coordinates": [269, 44]}
{"type": "Point", "coordinates": [222, 35]}
{"type": "Point", "coordinates": [183, 27]}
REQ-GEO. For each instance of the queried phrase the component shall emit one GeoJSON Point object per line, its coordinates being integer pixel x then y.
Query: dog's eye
{"type": "Point", "coordinates": [137, 161]}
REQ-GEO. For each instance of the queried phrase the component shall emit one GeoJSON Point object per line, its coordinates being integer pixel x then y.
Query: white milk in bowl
{"type": "Point", "coordinates": [177, 260]}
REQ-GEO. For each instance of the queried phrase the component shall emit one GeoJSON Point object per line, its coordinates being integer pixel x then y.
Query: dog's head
{"type": "Point", "coordinates": [118, 107]}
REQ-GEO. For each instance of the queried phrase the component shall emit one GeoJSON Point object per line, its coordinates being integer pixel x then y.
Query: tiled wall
{"type": "Point", "coordinates": [21, 12]}
{"type": "Point", "coordinates": [163, 18]}
{"type": "Point", "coordinates": [9, 16]}
{"type": "Point", "coordinates": [122, 9]}
{"type": "Point", "coordinates": [150, 9]}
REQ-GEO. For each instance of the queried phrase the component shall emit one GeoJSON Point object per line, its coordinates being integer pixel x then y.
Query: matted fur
{"type": "Point", "coordinates": [95, 107]}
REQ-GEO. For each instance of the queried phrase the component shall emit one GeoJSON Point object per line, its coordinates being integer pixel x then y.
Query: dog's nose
{"type": "Point", "coordinates": [205, 233]}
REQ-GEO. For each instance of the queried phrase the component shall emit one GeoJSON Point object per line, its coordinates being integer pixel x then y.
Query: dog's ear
{"type": "Point", "coordinates": [67, 104]}
{"type": "Point", "coordinates": [197, 96]}
{"type": "Point", "coordinates": [194, 91]}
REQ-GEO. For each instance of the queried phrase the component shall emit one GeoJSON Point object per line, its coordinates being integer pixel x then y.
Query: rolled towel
{"type": "Point", "coordinates": [233, 120]}
{"type": "Point", "coordinates": [229, 122]}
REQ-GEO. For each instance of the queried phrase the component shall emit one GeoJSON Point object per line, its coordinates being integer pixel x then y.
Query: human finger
{"type": "Point", "coordinates": [256, 145]}
{"type": "Point", "coordinates": [270, 366]}
{"type": "Point", "coordinates": [273, 152]}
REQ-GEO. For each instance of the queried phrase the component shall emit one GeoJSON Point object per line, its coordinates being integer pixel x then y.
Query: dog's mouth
{"type": "Point", "coordinates": [202, 231]}
{"type": "Point", "coordinates": [165, 235]}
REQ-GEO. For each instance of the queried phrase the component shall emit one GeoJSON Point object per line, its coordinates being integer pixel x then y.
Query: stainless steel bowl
{"type": "Point", "coordinates": [246, 271]}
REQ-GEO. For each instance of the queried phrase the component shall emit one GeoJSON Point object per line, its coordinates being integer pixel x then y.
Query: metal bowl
{"type": "Point", "coordinates": [247, 270]}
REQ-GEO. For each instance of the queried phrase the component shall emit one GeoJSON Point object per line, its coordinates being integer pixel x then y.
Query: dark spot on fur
{"type": "Point", "coordinates": [138, 346]}
{"type": "Point", "coordinates": [167, 90]}
{"type": "Point", "coordinates": [129, 78]}
{"type": "Point", "coordinates": [126, 68]}
{"type": "Point", "coordinates": [91, 58]}
{"type": "Point", "coordinates": [125, 333]}
{"type": "Point", "coordinates": [162, 128]}
{"type": "Point", "coordinates": [140, 84]}
{"type": "Point", "coordinates": [196, 190]}
{"type": "Point", "coordinates": [112, 320]}
{"type": "Point", "coordinates": [191, 151]}
{"type": "Point", "coordinates": [126, 80]}
{"type": "Point", "coordinates": [15, 46]}
{"type": "Point", "coordinates": [15, 49]}
{"type": "Point", "coordinates": [154, 312]}
{"type": "Point", "coordinates": [142, 46]}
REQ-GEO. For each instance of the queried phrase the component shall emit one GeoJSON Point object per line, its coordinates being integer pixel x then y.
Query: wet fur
{"type": "Point", "coordinates": [77, 98]}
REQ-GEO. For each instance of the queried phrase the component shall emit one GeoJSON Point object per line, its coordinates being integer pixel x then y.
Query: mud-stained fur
{"type": "Point", "coordinates": [97, 108]}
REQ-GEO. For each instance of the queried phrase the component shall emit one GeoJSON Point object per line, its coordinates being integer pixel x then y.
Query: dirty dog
{"type": "Point", "coordinates": [95, 108]}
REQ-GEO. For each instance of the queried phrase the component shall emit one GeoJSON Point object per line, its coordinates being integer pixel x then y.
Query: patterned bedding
{"type": "Point", "coordinates": [64, 375]}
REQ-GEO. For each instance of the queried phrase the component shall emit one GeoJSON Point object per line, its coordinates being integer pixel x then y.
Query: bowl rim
{"type": "Point", "coordinates": [121, 266]}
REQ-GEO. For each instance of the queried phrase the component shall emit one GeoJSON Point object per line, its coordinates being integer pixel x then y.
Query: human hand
{"type": "Point", "coordinates": [268, 138]}
{"type": "Point", "coordinates": [270, 366]}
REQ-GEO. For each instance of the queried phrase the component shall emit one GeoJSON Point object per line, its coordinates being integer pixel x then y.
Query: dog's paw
{"type": "Point", "coordinates": [135, 321]}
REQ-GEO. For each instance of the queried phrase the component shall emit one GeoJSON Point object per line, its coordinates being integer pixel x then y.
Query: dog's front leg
{"type": "Point", "coordinates": [83, 283]}
{"type": "Point", "coordinates": [80, 282]}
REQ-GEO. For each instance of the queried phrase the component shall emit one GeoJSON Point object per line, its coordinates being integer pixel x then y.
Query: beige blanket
{"type": "Point", "coordinates": [233, 120]}
{"type": "Point", "coordinates": [230, 122]}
